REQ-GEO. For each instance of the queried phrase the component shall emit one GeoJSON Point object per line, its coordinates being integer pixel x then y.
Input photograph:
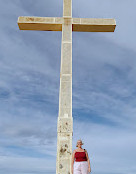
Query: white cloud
{"type": "Point", "coordinates": [26, 165]}
{"type": "Point", "coordinates": [103, 89]}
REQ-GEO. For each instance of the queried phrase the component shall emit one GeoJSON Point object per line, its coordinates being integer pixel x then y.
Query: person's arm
{"type": "Point", "coordinates": [72, 161]}
{"type": "Point", "coordinates": [88, 161]}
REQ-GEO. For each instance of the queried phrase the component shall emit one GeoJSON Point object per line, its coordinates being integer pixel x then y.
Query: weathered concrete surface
{"type": "Point", "coordinates": [65, 119]}
{"type": "Point", "coordinates": [40, 23]}
{"type": "Point", "coordinates": [55, 24]}
{"type": "Point", "coordinates": [94, 25]}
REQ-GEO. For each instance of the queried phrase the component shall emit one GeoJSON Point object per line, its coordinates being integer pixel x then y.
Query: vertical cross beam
{"type": "Point", "coordinates": [67, 8]}
{"type": "Point", "coordinates": [65, 120]}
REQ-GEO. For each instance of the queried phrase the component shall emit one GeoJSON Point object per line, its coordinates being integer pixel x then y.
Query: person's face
{"type": "Point", "coordinates": [79, 143]}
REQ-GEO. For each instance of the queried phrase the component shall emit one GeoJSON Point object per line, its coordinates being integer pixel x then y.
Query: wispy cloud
{"type": "Point", "coordinates": [103, 88]}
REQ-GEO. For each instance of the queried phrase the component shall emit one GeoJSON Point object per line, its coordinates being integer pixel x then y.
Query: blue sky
{"type": "Point", "coordinates": [104, 88]}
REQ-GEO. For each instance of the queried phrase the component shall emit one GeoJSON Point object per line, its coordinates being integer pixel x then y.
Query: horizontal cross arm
{"type": "Point", "coordinates": [55, 24]}
{"type": "Point", "coordinates": [40, 23]}
{"type": "Point", "coordinates": [93, 25]}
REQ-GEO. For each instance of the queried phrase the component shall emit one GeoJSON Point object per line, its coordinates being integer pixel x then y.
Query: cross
{"type": "Point", "coordinates": [66, 24]}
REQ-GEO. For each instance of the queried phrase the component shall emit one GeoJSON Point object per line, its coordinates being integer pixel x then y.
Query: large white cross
{"type": "Point", "coordinates": [66, 24]}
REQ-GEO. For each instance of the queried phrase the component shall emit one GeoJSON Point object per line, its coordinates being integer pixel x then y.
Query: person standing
{"type": "Point", "coordinates": [80, 160]}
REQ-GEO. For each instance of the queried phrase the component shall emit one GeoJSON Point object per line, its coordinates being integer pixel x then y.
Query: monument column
{"type": "Point", "coordinates": [65, 120]}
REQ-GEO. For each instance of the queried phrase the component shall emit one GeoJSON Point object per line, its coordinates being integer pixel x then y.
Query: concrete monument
{"type": "Point", "coordinates": [66, 24]}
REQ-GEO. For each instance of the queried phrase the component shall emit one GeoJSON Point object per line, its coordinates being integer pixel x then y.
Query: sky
{"type": "Point", "coordinates": [104, 88]}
